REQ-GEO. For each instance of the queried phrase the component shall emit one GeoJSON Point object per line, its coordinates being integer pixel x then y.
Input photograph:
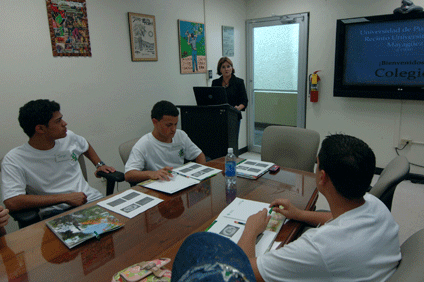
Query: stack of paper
{"type": "Point", "coordinates": [252, 169]}
{"type": "Point", "coordinates": [231, 221]}
{"type": "Point", "coordinates": [196, 171]}
{"type": "Point", "coordinates": [130, 203]}
{"type": "Point", "coordinates": [182, 177]}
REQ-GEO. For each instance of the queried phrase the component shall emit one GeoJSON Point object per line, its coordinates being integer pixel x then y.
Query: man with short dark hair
{"type": "Point", "coordinates": [45, 173]}
{"type": "Point", "coordinates": [356, 241]}
{"type": "Point", "coordinates": [157, 153]}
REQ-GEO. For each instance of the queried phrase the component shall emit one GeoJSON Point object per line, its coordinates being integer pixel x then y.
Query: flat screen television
{"type": "Point", "coordinates": [380, 57]}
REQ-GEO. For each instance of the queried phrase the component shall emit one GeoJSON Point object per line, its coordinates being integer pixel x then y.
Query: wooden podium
{"type": "Point", "coordinates": [212, 128]}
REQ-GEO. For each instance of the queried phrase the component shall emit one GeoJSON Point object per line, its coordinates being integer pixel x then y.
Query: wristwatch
{"type": "Point", "coordinates": [99, 164]}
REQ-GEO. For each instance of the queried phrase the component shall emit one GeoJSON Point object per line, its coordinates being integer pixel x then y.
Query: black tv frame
{"type": "Point", "coordinates": [404, 92]}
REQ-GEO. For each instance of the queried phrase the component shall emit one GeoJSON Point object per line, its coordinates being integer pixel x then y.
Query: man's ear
{"type": "Point", "coordinates": [323, 177]}
{"type": "Point", "coordinates": [40, 128]}
{"type": "Point", "coordinates": [155, 121]}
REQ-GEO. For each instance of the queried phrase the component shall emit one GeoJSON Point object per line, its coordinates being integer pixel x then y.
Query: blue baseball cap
{"type": "Point", "coordinates": [207, 256]}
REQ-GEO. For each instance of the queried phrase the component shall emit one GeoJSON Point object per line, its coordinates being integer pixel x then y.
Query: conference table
{"type": "Point", "coordinates": [35, 253]}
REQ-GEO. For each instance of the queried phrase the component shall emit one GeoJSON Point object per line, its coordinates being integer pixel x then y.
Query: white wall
{"type": "Point", "coordinates": [106, 98]}
{"type": "Point", "coordinates": [227, 13]}
{"type": "Point", "coordinates": [378, 122]}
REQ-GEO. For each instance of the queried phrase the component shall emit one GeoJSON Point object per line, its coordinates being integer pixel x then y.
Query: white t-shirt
{"type": "Point", "coordinates": [151, 154]}
{"type": "Point", "coordinates": [359, 245]}
{"type": "Point", "coordinates": [26, 170]}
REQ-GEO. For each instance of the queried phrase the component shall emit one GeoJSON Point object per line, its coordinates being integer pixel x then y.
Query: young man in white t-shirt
{"type": "Point", "coordinates": [356, 241]}
{"type": "Point", "coordinates": [45, 173]}
{"type": "Point", "coordinates": [157, 153]}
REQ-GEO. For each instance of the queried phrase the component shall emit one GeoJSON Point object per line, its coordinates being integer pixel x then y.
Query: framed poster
{"type": "Point", "coordinates": [192, 47]}
{"type": "Point", "coordinates": [143, 37]}
{"type": "Point", "coordinates": [227, 41]}
{"type": "Point", "coordinates": [68, 27]}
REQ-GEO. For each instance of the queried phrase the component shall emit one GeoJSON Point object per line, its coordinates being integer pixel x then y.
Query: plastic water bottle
{"type": "Point", "coordinates": [230, 176]}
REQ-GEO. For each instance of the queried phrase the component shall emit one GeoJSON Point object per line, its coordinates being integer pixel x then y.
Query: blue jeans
{"type": "Point", "coordinates": [194, 59]}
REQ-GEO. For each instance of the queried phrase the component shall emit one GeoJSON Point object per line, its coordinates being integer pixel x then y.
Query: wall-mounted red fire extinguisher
{"type": "Point", "coordinates": [313, 86]}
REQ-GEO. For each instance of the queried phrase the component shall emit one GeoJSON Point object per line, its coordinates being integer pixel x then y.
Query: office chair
{"type": "Point", "coordinates": [410, 268]}
{"type": "Point", "coordinates": [30, 216]}
{"type": "Point", "coordinates": [125, 149]}
{"type": "Point", "coordinates": [290, 147]}
{"type": "Point", "coordinates": [396, 171]}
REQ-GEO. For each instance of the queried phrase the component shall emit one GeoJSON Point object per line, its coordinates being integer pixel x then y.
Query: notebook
{"type": "Point", "coordinates": [206, 96]}
{"type": "Point", "coordinates": [231, 222]}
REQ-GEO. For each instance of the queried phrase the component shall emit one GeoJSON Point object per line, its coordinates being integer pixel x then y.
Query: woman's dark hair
{"type": "Point", "coordinates": [221, 61]}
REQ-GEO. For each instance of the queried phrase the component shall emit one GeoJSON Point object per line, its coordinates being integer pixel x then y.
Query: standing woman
{"type": "Point", "coordinates": [234, 86]}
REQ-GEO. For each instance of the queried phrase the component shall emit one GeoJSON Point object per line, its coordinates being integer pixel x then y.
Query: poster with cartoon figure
{"type": "Point", "coordinates": [192, 47]}
{"type": "Point", "coordinates": [68, 27]}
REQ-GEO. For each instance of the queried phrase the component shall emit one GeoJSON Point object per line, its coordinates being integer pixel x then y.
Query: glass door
{"type": "Point", "coordinates": [277, 73]}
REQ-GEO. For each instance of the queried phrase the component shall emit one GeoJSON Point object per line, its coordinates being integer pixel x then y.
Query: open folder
{"type": "Point", "coordinates": [231, 221]}
{"type": "Point", "coordinates": [185, 176]}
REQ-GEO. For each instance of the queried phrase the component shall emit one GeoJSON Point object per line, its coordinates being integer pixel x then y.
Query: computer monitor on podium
{"type": "Point", "coordinates": [207, 96]}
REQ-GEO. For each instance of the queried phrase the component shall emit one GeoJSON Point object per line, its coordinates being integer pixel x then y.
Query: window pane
{"type": "Point", "coordinates": [276, 50]}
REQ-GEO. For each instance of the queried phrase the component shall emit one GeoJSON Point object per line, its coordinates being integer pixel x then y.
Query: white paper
{"type": "Point", "coordinates": [230, 223]}
{"type": "Point", "coordinates": [176, 183]}
{"type": "Point", "coordinates": [252, 168]}
{"type": "Point", "coordinates": [130, 203]}
{"type": "Point", "coordinates": [196, 171]}
{"type": "Point", "coordinates": [240, 209]}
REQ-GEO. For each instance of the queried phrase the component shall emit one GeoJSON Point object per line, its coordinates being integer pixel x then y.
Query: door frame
{"type": "Point", "coordinates": [303, 20]}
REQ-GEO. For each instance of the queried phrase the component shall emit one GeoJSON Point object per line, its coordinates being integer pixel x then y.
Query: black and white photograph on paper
{"type": "Point", "coordinates": [143, 37]}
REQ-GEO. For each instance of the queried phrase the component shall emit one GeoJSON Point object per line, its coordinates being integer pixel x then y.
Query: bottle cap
{"type": "Point", "coordinates": [230, 150]}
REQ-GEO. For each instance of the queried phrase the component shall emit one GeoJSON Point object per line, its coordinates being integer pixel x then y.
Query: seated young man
{"type": "Point", "coordinates": [356, 241]}
{"type": "Point", "coordinates": [166, 147]}
{"type": "Point", "coordinates": [45, 173]}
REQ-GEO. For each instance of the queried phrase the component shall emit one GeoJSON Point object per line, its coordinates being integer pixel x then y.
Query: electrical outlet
{"type": "Point", "coordinates": [404, 141]}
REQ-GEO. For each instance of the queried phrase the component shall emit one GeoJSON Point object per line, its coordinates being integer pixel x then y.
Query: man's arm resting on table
{"type": "Point", "coordinates": [95, 159]}
{"type": "Point", "coordinates": [201, 159]}
{"type": "Point", "coordinates": [138, 176]}
{"type": "Point", "coordinates": [4, 218]}
{"type": "Point", "coordinates": [292, 212]}
{"type": "Point", "coordinates": [255, 225]}
{"type": "Point", "coordinates": [21, 202]}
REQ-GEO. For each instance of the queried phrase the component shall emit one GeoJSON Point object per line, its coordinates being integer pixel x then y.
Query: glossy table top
{"type": "Point", "coordinates": [36, 254]}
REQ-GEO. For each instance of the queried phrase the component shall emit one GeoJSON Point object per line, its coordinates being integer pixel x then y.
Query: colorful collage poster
{"type": "Point", "coordinates": [68, 27]}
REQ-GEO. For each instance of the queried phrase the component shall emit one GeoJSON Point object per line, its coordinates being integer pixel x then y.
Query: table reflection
{"type": "Point", "coordinates": [14, 263]}
{"type": "Point", "coordinates": [36, 254]}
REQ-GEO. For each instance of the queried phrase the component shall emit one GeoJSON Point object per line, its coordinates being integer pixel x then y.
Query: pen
{"type": "Point", "coordinates": [97, 235]}
{"type": "Point", "coordinates": [210, 225]}
{"type": "Point", "coordinates": [238, 222]}
{"type": "Point", "coordinates": [280, 207]}
{"type": "Point", "coordinates": [259, 237]}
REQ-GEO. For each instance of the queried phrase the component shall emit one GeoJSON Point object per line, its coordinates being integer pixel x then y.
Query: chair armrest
{"type": "Point", "coordinates": [114, 176]}
{"type": "Point", "coordinates": [111, 179]}
{"type": "Point", "coordinates": [26, 217]}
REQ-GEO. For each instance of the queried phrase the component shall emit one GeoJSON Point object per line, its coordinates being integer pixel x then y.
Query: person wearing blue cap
{"type": "Point", "coordinates": [207, 256]}
{"type": "Point", "coordinates": [356, 241]}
